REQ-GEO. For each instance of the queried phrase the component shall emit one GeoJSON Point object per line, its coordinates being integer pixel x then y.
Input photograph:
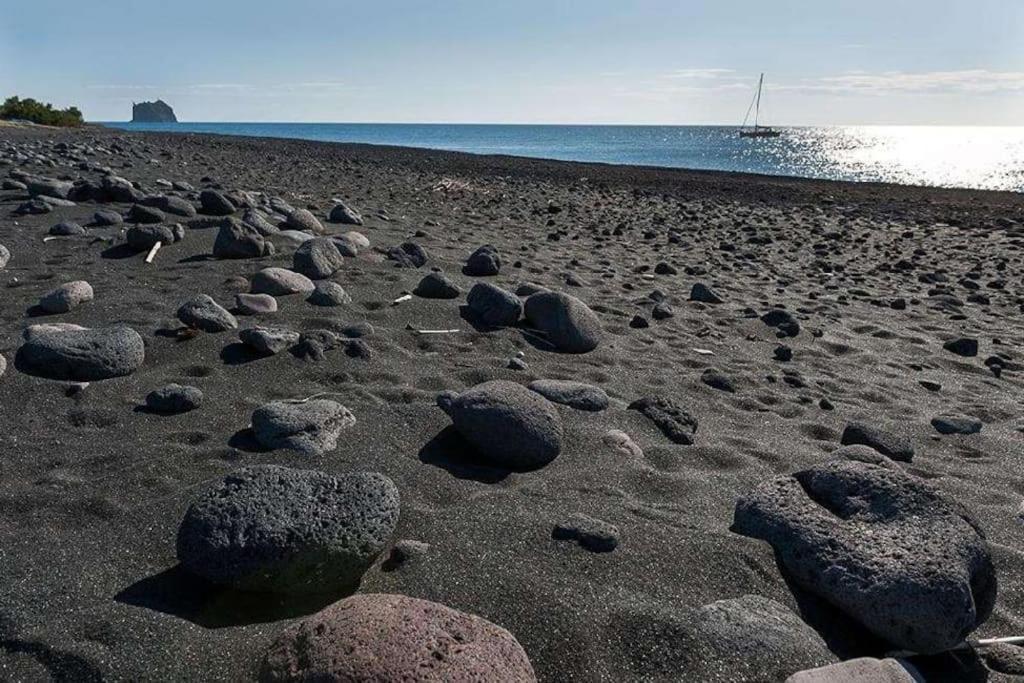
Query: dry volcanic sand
{"type": "Point", "coordinates": [93, 489]}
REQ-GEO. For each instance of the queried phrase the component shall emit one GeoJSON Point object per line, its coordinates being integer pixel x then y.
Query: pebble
{"type": "Point", "coordinates": [674, 422]}
{"type": "Point", "coordinates": [67, 296]}
{"type": "Point", "coordinates": [304, 220]}
{"type": "Point", "coordinates": [280, 282]}
{"type": "Point", "coordinates": [67, 229]}
{"type": "Point", "coordinates": [591, 534]}
{"type": "Point", "coordinates": [956, 424]}
{"type": "Point", "coordinates": [342, 213]}
{"type": "Point", "coordinates": [268, 340]}
{"type": "Point", "coordinates": [704, 294]}
{"type": "Point", "coordinates": [174, 399]}
{"type": "Point", "coordinates": [621, 442]}
{"type": "Point", "coordinates": [962, 346]}
{"type": "Point", "coordinates": [437, 286]}
{"type": "Point", "coordinates": [255, 304]}
{"type": "Point", "coordinates": [203, 313]}
{"type": "Point", "coordinates": [578, 395]}
{"type": "Point", "coordinates": [311, 428]}
{"type": "Point", "coordinates": [408, 255]}
{"type": "Point", "coordinates": [494, 306]}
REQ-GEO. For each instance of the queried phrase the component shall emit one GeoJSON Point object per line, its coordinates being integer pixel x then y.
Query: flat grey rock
{"type": "Point", "coordinates": [174, 399]}
{"type": "Point", "coordinates": [280, 282]}
{"type": "Point", "coordinates": [578, 395]}
{"type": "Point", "coordinates": [268, 340]}
{"type": "Point", "coordinates": [81, 355]}
{"type": "Point", "coordinates": [255, 304]}
{"type": "Point", "coordinates": [203, 313]}
{"type": "Point", "coordinates": [311, 428]}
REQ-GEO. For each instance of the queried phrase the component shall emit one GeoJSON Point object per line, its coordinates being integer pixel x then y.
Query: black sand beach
{"type": "Point", "coordinates": [878, 279]}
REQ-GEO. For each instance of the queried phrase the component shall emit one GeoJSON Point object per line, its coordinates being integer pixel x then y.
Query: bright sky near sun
{"type": "Point", "coordinates": [529, 61]}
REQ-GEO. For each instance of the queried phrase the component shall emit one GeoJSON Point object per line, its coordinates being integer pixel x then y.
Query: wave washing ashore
{"type": "Point", "coordinates": [989, 158]}
{"type": "Point", "coordinates": [282, 410]}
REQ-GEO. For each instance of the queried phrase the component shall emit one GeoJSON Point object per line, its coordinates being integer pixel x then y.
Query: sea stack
{"type": "Point", "coordinates": [153, 112]}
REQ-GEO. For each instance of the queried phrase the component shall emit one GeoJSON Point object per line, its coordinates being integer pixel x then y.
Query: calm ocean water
{"type": "Point", "coordinates": [975, 157]}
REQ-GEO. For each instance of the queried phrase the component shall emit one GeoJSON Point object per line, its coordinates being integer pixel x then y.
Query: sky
{"type": "Point", "coordinates": [935, 62]}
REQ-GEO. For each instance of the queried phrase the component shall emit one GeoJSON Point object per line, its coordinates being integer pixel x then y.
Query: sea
{"type": "Point", "coordinates": [988, 158]}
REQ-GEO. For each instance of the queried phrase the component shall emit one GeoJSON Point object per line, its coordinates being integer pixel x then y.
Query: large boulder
{"type": "Point", "coordinates": [77, 354]}
{"type": "Point", "coordinates": [506, 423]}
{"type": "Point", "coordinates": [203, 313]}
{"type": "Point", "coordinates": [312, 427]}
{"type": "Point", "coordinates": [380, 637]}
{"type": "Point", "coordinates": [568, 323]}
{"type": "Point", "coordinates": [493, 305]}
{"type": "Point", "coordinates": [317, 258]}
{"type": "Point", "coordinates": [238, 240]}
{"type": "Point", "coordinates": [280, 282]}
{"type": "Point", "coordinates": [881, 545]}
{"type": "Point", "coordinates": [281, 530]}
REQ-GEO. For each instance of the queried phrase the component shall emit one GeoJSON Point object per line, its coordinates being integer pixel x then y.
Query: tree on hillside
{"type": "Point", "coordinates": [28, 109]}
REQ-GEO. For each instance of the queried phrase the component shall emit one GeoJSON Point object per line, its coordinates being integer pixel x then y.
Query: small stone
{"type": "Point", "coordinates": [304, 220]}
{"type": "Point", "coordinates": [962, 346]}
{"type": "Point", "coordinates": [716, 380]}
{"type": "Point", "coordinates": [704, 294]}
{"type": "Point", "coordinates": [280, 282]}
{"type": "Point", "coordinates": [66, 297]}
{"type": "Point", "coordinates": [662, 311]}
{"type": "Point", "coordinates": [674, 422]}
{"type": "Point", "coordinates": [104, 218]}
{"type": "Point", "coordinates": [67, 229]}
{"type": "Point", "coordinates": [663, 268]}
{"type": "Point", "coordinates": [591, 534]}
{"type": "Point", "coordinates": [576, 395]}
{"type": "Point", "coordinates": [341, 213]}
{"type": "Point", "coordinates": [493, 305]}
{"type": "Point", "coordinates": [956, 424]}
{"type": "Point", "coordinates": [621, 442]}
{"type": "Point", "coordinates": [884, 441]}
{"type": "Point", "coordinates": [255, 304]}
{"type": "Point", "coordinates": [484, 261]}
{"type": "Point", "coordinates": [5, 256]}
{"type": "Point", "coordinates": [145, 214]}
{"type": "Point", "coordinates": [783, 321]}
{"type": "Point", "coordinates": [329, 293]}
{"type": "Point", "coordinates": [173, 399]}
{"type": "Point", "coordinates": [783, 353]}
{"type": "Point", "coordinates": [268, 340]}
{"type": "Point", "coordinates": [203, 313]}
{"type": "Point", "coordinates": [408, 255]}
{"type": "Point", "coordinates": [436, 286]}
{"type": "Point", "coordinates": [311, 428]}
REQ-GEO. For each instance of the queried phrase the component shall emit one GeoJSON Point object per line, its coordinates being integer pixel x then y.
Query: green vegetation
{"type": "Point", "coordinates": [30, 110]}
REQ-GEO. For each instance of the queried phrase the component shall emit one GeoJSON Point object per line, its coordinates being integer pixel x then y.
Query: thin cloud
{"type": "Point", "coordinates": [700, 74]}
{"type": "Point", "coordinates": [977, 81]}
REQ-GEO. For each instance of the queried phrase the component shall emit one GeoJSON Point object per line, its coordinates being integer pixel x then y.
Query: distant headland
{"type": "Point", "coordinates": [153, 112]}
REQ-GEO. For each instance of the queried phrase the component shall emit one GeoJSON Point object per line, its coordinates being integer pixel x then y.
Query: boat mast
{"type": "Point", "coordinates": [757, 109]}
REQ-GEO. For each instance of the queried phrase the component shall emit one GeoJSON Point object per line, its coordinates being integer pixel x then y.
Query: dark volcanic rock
{"type": "Point", "coordinates": [956, 424]}
{"type": "Point", "coordinates": [82, 355]}
{"type": "Point", "coordinates": [783, 321]}
{"type": "Point", "coordinates": [311, 428]}
{"type": "Point", "coordinates": [143, 237]}
{"type": "Point", "coordinates": [317, 258]}
{"type": "Point", "coordinates": [574, 394]}
{"type": "Point", "coordinates": [281, 530]}
{"type": "Point", "coordinates": [506, 423]}
{"type": "Point", "coordinates": [484, 261]}
{"type": "Point", "coordinates": [341, 213]}
{"type": "Point", "coordinates": [881, 545]}
{"type": "Point", "coordinates": [378, 637]}
{"type": "Point", "coordinates": [882, 440]}
{"type": "Point", "coordinates": [239, 240]}
{"type": "Point", "coordinates": [203, 313]}
{"type": "Point", "coordinates": [704, 294]}
{"type": "Point", "coordinates": [173, 399]}
{"type": "Point", "coordinates": [568, 323]}
{"type": "Point", "coordinates": [674, 422]}
{"type": "Point", "coordinates": [153, 112]}
{"type": "Point", "coordinates": [962, 346]}
{"type": "Point", "coordinates": [592, 534]}
{"type": "Point", "coordinates": [213, 203]}
{"type": "Point", "coordinates": [436, 286]}
{"type": "Point", "coordinates": [493, 305]}
{"type": "Point", "coordinates": [408, 255]}
{"type": "Point", "coordinates": [67, 229]}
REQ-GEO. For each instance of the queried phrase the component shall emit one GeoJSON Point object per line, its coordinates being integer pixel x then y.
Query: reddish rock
{"type": "Point", "coordinates": [379, 637]}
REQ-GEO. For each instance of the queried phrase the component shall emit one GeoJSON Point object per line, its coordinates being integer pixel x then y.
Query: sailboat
{"type": "Point", "coordinates": [758, 131]}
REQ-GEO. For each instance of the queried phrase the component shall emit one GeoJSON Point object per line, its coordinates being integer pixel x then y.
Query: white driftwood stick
{"type": "Point", "coordinates": [435, 331]}
{"type": "Point", "coordinates": [152, 252]}
{"type": "Point", "coordinates": [400, 299]}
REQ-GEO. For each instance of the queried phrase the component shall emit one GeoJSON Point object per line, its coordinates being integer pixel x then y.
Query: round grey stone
{"type": "Point", "coordinates": [317, 258]}
{"type": "Point", "coordinates": [329, 293]}
{"type": "Point", "coordinates": [174, 398]}
{"type": "Point", "coordinates": [255, 304]}
{"type": "Point", "coordinates": [506, 423]}
{"type": "Point", "coordinates": [493, 305]}
{"type": "Point", "coordinates": [66, 297]}
{"type": "Point", "coordinates": [280, 282]}
{"type": "Point", "coordinates": [81, 355]}
{"type": "Point", "coordinates": [568, 323]}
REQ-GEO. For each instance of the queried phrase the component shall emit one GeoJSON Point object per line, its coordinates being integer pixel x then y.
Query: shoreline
{"type": "Point", "coordinates": [880, 185]}
{"type": "Point", "coordinates": [876, 281]}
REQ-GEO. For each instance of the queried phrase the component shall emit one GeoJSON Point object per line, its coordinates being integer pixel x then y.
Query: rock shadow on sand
{"type": "Point", "coordinates": [449, 451]}
{"type": "Point", "coordinates": [245, 440]}
{"type": "Point", "coordinates": [240, 354]}
{"type": "Point", "coordinates": [62, 666]}
{"type": "Point", "coordinates": [179, 593]}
